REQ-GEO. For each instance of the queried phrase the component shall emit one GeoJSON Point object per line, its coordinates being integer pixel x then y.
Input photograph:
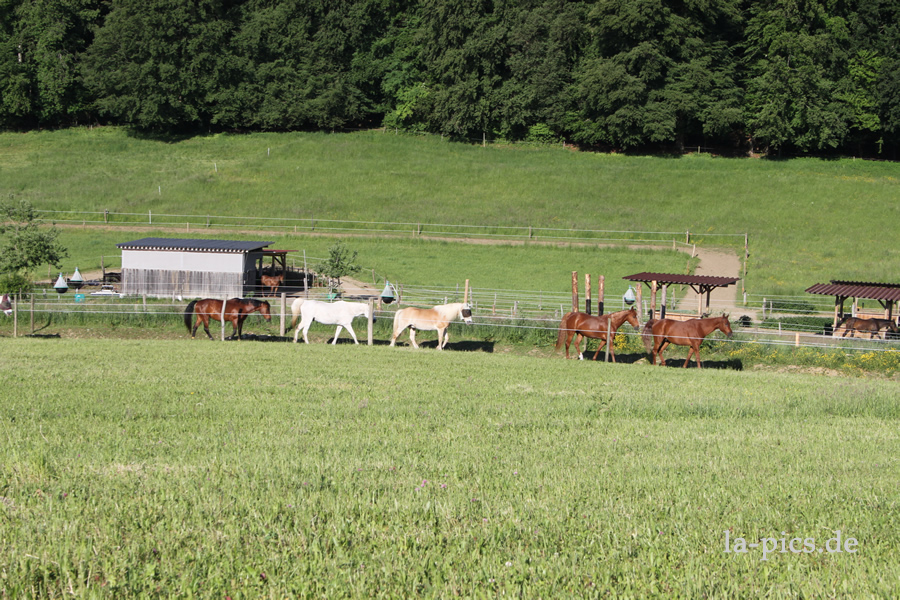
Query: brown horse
{"type": "Point", "coordinates": [659, 333]}
{"type": "Point", "coordinates": [589, 326]}
{"type": "Point", "coordinates": [272, 282]}
{"type": "Point", "coordinates": [872, 326]}
{"type": "Point", "coordinates": [236, 311]}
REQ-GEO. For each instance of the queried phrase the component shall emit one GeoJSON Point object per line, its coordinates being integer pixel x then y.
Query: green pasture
{"type": "Point", "coordinates": [808, 220]}
{"type": "Point", "coordinates": [528, 268]}
{"type": "Point", "coordinates": [154, 468]}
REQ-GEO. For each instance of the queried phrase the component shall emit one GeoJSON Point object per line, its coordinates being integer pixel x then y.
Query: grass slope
{"type": "Point", "coordinates": [808, 220]}
{"type": "Point", "coordinates": [433, 474]}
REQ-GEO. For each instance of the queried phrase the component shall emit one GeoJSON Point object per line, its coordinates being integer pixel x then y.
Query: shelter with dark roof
{"type": "Point", "coordinates": [701, 284]}
{"type": "Point", "coordinates": [189, 268]}
{"type": "Point", "coordinates": [885, 293]}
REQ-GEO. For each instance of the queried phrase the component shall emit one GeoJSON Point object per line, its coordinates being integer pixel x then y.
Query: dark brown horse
{"type": "Point", "coordinates": [236, 311]}
{"type": "Point", "coordinates": [659, 333]}
{"type": "Point", "coordinates": [872, 326]}
{"type": "Point", "coordinates": [272, 282]}
{"type": "Point", "coordinates": [589, 326]}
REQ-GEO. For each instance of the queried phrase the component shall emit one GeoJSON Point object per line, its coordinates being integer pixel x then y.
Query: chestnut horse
{"type": "Point", "coordinates": [873, 326]}
{"type": "Point", "coordinates": [236, 311]}
{"type": "Point", "coordinates": [588, 326]}
{"type": "Point", "coordinates": [272, 282]}
{"type": "Point", "coordinates": [659, 333]}
{"type": "Point", "coordinates": [430, 319]}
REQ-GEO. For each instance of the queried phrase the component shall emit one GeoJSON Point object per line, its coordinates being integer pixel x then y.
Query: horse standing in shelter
{"type": "Point", "coordinates": [659, 333]}
{"type": "Point", "coordinates": [236, 312]}
{"type": "Point", "coordinates": [272, 282]}
{"type": "Point", "coordinates": [602, 327]}
{"type": "Point", "coordinates": [437, 318]}
{"type": "Point", "coordinates": [872, 326]}
{"type": "Point", "coordinates": [338, 313]}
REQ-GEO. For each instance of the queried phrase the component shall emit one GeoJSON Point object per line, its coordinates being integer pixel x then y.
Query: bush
{"type": "Point", "coordinates": [11, 283]}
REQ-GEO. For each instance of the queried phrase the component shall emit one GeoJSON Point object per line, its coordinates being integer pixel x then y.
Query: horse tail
{"type": "Point", "coordinates": [647, 336]}
{"type": "Point", "coordinates": [189, 314]}
{"type": "Point", "coordinates": [561, 336]}
{"type": "Point", "coordinates": [295, 311]}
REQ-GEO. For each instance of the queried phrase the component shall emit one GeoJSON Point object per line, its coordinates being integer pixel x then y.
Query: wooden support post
{"type": "Point", "coordinates": [574, 291]}
{"type": "Point", "coordinates": [587, 293]}
{"type": "Point", "coordinates": [640, 301]}
{"type": "Point", "coordinates": [662, 307]}
{"type": "Point", "coordinates": [708, 292]}
{"type": "Point", "coordinates": [283, 315]}
{"type": "Point", "coordinates": [838, 308]}
{"type": "Point", "coordinates": [222, 316]}
{"type": "Point", "coordinates": [600, 290]}
{"type": "Point", "coordinates": [652, 299]}
{"type": "Point", "coordinates": [371, 323]}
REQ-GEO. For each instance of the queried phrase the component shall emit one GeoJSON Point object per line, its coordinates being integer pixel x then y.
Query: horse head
{"type": "Point", "coordinates": [264, 310]}
{"type": "Point", "coordinates": [724, 326]}
{"type": "Point", "coordinates": [631, 317]}
{"type": "Point", "coordinates": [466, 313]}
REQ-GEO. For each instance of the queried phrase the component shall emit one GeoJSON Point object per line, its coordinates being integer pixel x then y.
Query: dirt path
{"type": "Point", "coordinates": [715, 263]}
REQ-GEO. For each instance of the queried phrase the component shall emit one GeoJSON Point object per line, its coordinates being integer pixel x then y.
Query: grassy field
{"type": "Point", "coordinates": [808, 220]}
{"type": "Point", "coordinates": [259, 470]}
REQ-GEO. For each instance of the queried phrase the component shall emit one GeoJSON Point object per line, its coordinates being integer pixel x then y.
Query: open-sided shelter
{"type": "Point", "coordinates": [701, 284]}
{"type": "Point", "coordinates": [885, 293]}
{"type": "Point", "coordinates": [189, 268]}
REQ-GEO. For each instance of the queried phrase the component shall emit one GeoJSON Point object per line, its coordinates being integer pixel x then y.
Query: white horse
{"type": "Point", "coordinates": [430, 319]}
{"type": "Point", "coordinates": [338, 313]}
{"type": "Point", "coordinates": [6, 305]}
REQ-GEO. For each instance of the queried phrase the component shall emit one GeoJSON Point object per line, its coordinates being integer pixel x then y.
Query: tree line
{"type": "Point", "coordinates": [775, 75]}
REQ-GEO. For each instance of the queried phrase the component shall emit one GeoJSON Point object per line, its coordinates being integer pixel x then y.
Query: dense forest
{"type": "Point", "coordinates": [793, 76]}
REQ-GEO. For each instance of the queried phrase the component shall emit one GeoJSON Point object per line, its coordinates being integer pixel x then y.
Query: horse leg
{"type": "Point", "coordinates": [599, 347]}
{"type": "Point", "coordinates": [352, 334]}
{"type": "Point", "coordinates": [578, 337]}
{"type": "Point", "coordinates": [446, 333]}
{"type": "Point", "coordinates": [569, 335]}
{"type": "Point", "coordinates": [296, 333]}
{"type": "Point", "coordinates": [205, 326]}
{"type": "Point", "coordinates": [659, 350]}
{"type": "Point", "coordinates": [412, 337]}
{"type": "Point", "coordinates": [337, 332]}
{"type": "Point", "coordinates": [688, 359]}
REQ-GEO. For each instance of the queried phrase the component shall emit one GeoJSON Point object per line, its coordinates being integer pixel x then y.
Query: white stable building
{"type": "Point", "coordinates": [188, 268]}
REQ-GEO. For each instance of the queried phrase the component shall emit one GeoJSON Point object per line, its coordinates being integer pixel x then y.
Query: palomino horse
{"type": "Point", "coordinates": [338, 313]}
{"type": "Point", "coordinates": [584, 325]}
{"type": "Point", "coordinates": [430, 319]}
{"type": "Point", "coordinates": [659, 333]}
{"type": "Point", "coordinates": [6, 305]}
{"type": "Point", "coordinates": [872, 326]}
{"type": "Point", "coordinates": [236, 311]}
{"type": "Point", "coordinates": [272, 282]}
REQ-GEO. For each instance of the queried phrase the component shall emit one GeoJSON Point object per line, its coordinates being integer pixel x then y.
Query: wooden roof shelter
{"type": "Point", "coordinates": [701, 284]}
{"type": "Point", "coordinates": [885, 293]}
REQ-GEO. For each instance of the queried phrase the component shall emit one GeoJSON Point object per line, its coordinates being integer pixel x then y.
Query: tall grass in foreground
{"type": "Point", "coordinates": [161, 468]}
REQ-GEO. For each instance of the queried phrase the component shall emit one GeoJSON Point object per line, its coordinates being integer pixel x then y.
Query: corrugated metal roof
{"type": "Point", "coordinates": [191, 245]}
{"type": "Point", "coordinates": [858, 289]}
{"type": "Point", "coordinates": [704, 280]}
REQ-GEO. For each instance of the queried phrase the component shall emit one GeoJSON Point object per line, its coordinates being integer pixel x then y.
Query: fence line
{"type": "Point", "coordinates": [314, 224]}
{"type": "Point", "coordinates": [513, 316]}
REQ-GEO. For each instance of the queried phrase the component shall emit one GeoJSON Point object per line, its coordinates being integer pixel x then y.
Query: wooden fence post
{"type": "Point", "coordinates": [283, 315]}
{"type": "Point", "coordinates": [600, 291]}
{"type": "Point", "coordinates": [371, 322]}
{"type": "Point", "coordinates": [587, 293]}
{"type": "Point", "coordinates": [574, 291]}
{"type": "Point", "coordinates": [222, 316]}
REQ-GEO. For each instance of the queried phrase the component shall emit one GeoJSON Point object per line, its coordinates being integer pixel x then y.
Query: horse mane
{"type": "Point", "coordinates": [450, 311]}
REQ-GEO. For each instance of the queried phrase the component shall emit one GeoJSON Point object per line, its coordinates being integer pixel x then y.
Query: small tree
{"type": "Point", "coordinates": [25, 244]}
{"type": "Point", "coordinates": [340, 262]}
